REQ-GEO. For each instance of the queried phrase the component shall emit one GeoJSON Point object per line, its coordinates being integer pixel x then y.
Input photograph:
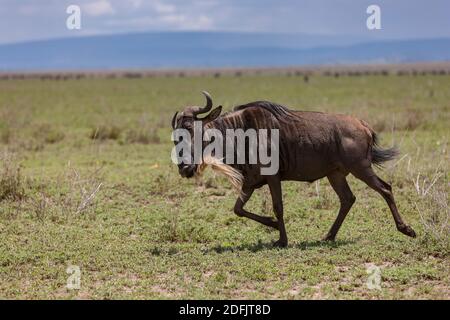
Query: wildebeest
{"type": "Point", "coordinates": [312, 145]}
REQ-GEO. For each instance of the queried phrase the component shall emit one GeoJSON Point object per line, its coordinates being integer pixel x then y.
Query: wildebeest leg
{"type": "Point", "coordinates": [241, 212]}
{"type": "Point", "coordinates": [346, 198]}
{"type": "Point", "coordinates": [372, 180]}
{"type": "Point", "coordinates": [277, 202]}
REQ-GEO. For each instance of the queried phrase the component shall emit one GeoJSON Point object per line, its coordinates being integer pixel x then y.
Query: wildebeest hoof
{"type": "Point", "coordinates": [407, 230]}
{"type": "Point", "coordinates": [280, 244]}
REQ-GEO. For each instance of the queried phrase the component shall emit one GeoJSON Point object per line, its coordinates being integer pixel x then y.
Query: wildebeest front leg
{"type": "Point", "coordinates": [241, 212]}
{"type": "Point", "coordinates": [277, 202]}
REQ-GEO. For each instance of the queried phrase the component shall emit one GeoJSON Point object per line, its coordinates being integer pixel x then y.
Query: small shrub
{"type": "Point", "coordinates": [177, 230]}
{"type": "Point", "coordinates": [143, 136]}
{"type": "Point", "coordinates": [5, 135]}
{"type": "Point", "coordinates": [48, 134]}
{"type": "Point", "coordinates": [433, 208]}
{"type": "Point", "coordinates": [413, 120]}
{"type": "Point", "coordinates": [104, 132]}
{"type": "Point", "coordinates": [379, 125]}
{"type": "Point", "coordinates": [72, 194]}
{"type": "Point", "coordinates": [408, 120]}
{"type": "Point", "coordinates": [11, 181]}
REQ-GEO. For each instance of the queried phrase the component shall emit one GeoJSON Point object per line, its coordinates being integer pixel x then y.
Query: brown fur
{"type": "Point", "coordinates": [312, 145]}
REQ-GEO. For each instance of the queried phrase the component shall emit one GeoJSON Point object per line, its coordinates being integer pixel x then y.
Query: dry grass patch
{"type": "Point", "coordinates": [48, 134]}
{"type": "Point", "coordinates": [105, 132]}
{"type": "Point", "coordinates": [143, 136]}
{"type": "Point", "coordinates": [11, 180]}
{"type": "Point", "coordinates": [75, 194]}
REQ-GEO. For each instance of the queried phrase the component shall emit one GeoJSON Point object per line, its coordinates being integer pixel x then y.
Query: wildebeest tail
{"type": "Point", "coordinates": [379, 155]}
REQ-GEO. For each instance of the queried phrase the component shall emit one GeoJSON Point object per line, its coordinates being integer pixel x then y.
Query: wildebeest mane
{"type": "Point", "coordinates": [278, 110]}
{"type": "Point", "coordinates": [232, 118]}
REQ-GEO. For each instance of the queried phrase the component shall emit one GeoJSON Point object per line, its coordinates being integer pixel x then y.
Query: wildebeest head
{"type": "Point", "coordinates": [185, 120]}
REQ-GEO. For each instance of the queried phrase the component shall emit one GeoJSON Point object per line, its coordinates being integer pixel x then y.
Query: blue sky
{"type": "Point", "coordinates": [23, 20]}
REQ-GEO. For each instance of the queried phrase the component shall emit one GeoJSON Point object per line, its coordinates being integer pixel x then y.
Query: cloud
{"type": "Point", "coordinates": [178, 22]}
{"type": "Point", "coordinates": [163, 8]}
{"type": "Point", "coordinates": [98, 8]}
{"type": "Point", "coordinates": [31, 19]}
{"type": "Point", "coordinates": [183, 22]}
{"type": "Point", "coordinates": [161, 15]}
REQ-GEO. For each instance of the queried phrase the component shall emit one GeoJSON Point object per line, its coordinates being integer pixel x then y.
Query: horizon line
{"type": "Point", "coordinates": [125, 33]}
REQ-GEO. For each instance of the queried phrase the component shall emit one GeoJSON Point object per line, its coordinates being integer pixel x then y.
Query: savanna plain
{"type": "Point", "coordinates": [86, 180]}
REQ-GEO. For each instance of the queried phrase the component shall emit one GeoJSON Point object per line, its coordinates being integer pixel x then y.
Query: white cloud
{"type": "Point", "coordinates": [23, 20]}
{"type": "Point", "coordinates": [163, 8]}
{"type": "Point", "coordinates": [161, 15]}
{"type": "Point", "coordinates": [166, 22]}
{"type": "Point", "coordinates": [98, 8]}
{"type": "Point", "coordinates": [183, 22]}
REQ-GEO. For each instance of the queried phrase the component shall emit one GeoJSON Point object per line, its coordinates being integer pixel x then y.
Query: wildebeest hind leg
{"type": "Point", "coordinates": [372, 180]}
{"type": "Point", "coordinates": [346, 198]}
{"type": "Point", "coordinates": [241, 212]}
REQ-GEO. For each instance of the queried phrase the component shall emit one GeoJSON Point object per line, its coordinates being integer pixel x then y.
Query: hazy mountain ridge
{"type": "Point", "coordinates": [213, 49]}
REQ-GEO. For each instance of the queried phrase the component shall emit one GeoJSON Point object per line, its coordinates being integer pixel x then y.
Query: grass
{"type": "Point", "coordinates": [92, 185]}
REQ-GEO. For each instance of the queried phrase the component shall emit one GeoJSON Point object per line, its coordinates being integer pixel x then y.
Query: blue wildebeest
{"type": "Point", "coordinates": [312, 145]}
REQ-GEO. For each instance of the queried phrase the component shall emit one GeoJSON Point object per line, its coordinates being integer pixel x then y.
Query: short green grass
{"type": "Point", "coordinates": [149, 234]}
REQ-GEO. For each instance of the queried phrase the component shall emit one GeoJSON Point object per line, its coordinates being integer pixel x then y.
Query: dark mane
{"type": "Point", "coordinates": [277, 110]}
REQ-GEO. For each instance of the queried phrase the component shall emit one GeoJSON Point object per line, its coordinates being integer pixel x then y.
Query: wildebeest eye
{"type": "Point", "coordinates": [187, 125]}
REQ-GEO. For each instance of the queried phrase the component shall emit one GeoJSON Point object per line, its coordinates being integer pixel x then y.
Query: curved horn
{"type": "Point", "coordinates": [174, 120]}
{"type": "Point", "coordinates": [206, 108]}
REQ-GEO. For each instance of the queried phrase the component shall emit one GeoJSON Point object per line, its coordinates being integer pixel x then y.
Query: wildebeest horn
{"type": "Point", "coordinates": [174, 119]}
{"type": "Point", "coordinates": [206, 108]}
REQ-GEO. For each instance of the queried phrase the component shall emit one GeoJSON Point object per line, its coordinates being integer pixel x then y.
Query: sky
{"type": "Point", "coordinates": [26, 20]}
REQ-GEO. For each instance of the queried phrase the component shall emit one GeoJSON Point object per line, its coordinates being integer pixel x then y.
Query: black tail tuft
{"type": "Point", "coordinates": [382, 155]}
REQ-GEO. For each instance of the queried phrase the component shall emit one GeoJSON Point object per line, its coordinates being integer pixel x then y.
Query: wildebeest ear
{"type": "Point", "coordinates": [213, 114]}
